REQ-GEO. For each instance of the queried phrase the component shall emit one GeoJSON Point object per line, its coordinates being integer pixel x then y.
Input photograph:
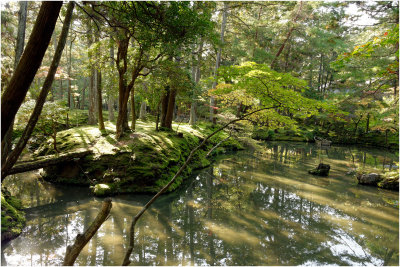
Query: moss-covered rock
{"type": "Point", "coordinates": [386, 180]}
{"type": "Point", "coordinates": [12, 216]}
{"type": "Point", "coordinates": [101, 190]}
{"type": "Point", "coordinates": [144, 161]}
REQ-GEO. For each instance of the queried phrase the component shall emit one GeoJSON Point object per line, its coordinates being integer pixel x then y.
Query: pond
{"type": "Point", "coordinates": [247, 208]}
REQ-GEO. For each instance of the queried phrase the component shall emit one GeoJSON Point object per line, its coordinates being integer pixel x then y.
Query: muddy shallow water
{"type": "Point", "coordinates": [247, 208]}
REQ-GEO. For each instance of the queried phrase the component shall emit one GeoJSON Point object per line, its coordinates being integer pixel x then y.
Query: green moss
{"type": "Point", "coordinates": [143, 161]}
{"type": "Point", "coordinates": [12, 218]}
{"type": "Point", "coordinates": [101, 190]}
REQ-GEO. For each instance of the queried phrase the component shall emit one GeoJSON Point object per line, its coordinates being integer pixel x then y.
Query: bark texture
{"type": "Point", "coordinates": [29, 63]}
{"type": "Point", "coordinates": [46, 162]}
{"type": "Point", "coordinates": [13, 157]}
{"type": "Point", "coordinates": [19, 48]}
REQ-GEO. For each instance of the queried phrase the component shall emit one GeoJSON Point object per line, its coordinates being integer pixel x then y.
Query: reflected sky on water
{"type": "Point", "coordinates": [248, 208]}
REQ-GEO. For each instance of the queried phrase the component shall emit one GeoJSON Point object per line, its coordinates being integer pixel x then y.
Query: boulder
{"type": "Point", "coordinates": [321, 170]}
{"type": "Point", "coordinates": [369, 179]}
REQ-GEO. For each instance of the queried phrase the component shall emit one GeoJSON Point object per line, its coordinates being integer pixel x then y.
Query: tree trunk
{"type": "Point", "coordinates": [92, 88]}
{"type": "Point", "coordinates": [29, 63]}
{"type": "Point", "coordinates": [13, 157]}
{"type": "Point", "coordinates": [142, 114]}
{"type": "Point", "coordinates": [170, 109]}
{"type": "Point", "coordinates": [100, 102]}
{"type": "Point", "coordinates": [217, 63]}
{"type": "Point", "coordinates": [6, 143]}
{"type": "Point", "coordinates": [164, 107]}
{"type": "Point", "coordinates": [367, 126]}
{"type": "Point", "coordinates": [83, 93]}
{"type": "Point", "coordinates": [111, 116]}
{"type": "Point", "coordinates": [82, 239]}
{"type": "Point", "coordinates": [133, 111]}
{"type": "Point", "coordinates": [197, 74]}
{"type": "Point", "coordinates": [69, 72]}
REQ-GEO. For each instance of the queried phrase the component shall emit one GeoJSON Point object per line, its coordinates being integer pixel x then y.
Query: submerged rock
{"type": "Point", "coordinates": [321, 170]}
{"type": "Point", "coordinates": [369, 179]}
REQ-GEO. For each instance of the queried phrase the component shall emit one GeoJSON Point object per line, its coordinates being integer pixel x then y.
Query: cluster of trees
{"type": "Point", "coordinates": [191, 60]}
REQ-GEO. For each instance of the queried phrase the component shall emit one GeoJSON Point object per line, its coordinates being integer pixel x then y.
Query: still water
{"type": "Point", "coordinates": [247, 208]}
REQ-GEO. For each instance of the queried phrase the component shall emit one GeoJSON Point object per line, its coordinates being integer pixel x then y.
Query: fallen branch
{"type": "Point", "coordinates": [82, 239]}
{"type": "Point", "coordinates": [151, 201]}
{"type": "Point", "coordinates": [34, 165]}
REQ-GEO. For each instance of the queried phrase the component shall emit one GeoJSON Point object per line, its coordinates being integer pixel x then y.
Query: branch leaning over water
{"type": "Point", "coordinates": [151, 201]}
{"type": "Point", "coordinates": [82, 239]}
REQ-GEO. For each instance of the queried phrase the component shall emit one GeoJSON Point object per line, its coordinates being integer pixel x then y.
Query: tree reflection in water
{"type": "Point", "coordinates": [246, 209]}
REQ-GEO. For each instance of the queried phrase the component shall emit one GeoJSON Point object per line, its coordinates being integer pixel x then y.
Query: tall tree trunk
{"type": "Point", "coordinates": [100, 102]}
{"type": "Point", "coordinates": [197, 74]}
{"type": "Point", "coordinates": [320, 72]}
{"type": "Point", "coordinates": [92, 83]}
{"type": "Point", "coordinates": [133, 111]}
{"type": "Point", "coordinates": [142, 114]}
{"type": "Point", "coordinates": [83, 93]}
{"type": "Point", "coordinates": [217, 63]}
{"type": "Point", "coordinates": [19, 48]}
{"type": "Point", "coordinates": [367, 126]}
{"type": "Point", "coordinates": [164, 107]}
{"type": "Point", "coordinates": [111, 116]}
{"type": "Point", "coordinates": [69, 71]}
{"type": "Point", "coordinates": [29, 63]}
{"type": "Point", "coordinates": [13, 157]}
{"type": "Point", "coordinates": [170, 109]}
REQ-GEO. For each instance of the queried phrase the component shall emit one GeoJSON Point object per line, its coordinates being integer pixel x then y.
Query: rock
{"type": "Point", "coordinates": [101, 190]}
{"type": "Point", "coordinates": [391, 184]}
{"type": "Point", "coordinates": [321, 170]}
{"type": "Point", "coordinates": [369, 179]}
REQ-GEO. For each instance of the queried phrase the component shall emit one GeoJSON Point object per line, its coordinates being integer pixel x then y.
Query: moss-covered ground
{"type": "Point", "coordinates": [142, 161]}
{"type": "Point", "coordinates": [12, 216]}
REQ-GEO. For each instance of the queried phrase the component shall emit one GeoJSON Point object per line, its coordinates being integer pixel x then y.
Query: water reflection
{"type": "Point", "coordinates": [247, 209]}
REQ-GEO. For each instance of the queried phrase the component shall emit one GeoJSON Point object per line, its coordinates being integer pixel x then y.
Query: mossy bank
{"type": "Point", "coordinates": [143, 161]}
{"type": "Point", "coordinates": [12, 216]}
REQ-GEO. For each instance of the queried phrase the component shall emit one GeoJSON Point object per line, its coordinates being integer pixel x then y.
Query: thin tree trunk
{"type": "Point", "coordinates": [69, 72]}
{"type": "Point", "coordinates": [142, 114]}
{"type": "Point", "coordinates": [133, 111]}
{"type": "Point", "coordinates": [13, 157]}
{"type": "Point", "coordinates": [29, 63]}
{"type": "Point", "coordinates": [83, 93]}
{"type": "Point", "coordinates": [197, 74]}
{"type": "Point", "coordinates": [111, 116]}
{"type": "Point", "coordinates": [92, 83]}
{"type": "Point", "coordinates": [217, 63]}
{"type": "Point", "coordinates": [6, 143]}
{"type": "Point", "coordinates": [100, 102]}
